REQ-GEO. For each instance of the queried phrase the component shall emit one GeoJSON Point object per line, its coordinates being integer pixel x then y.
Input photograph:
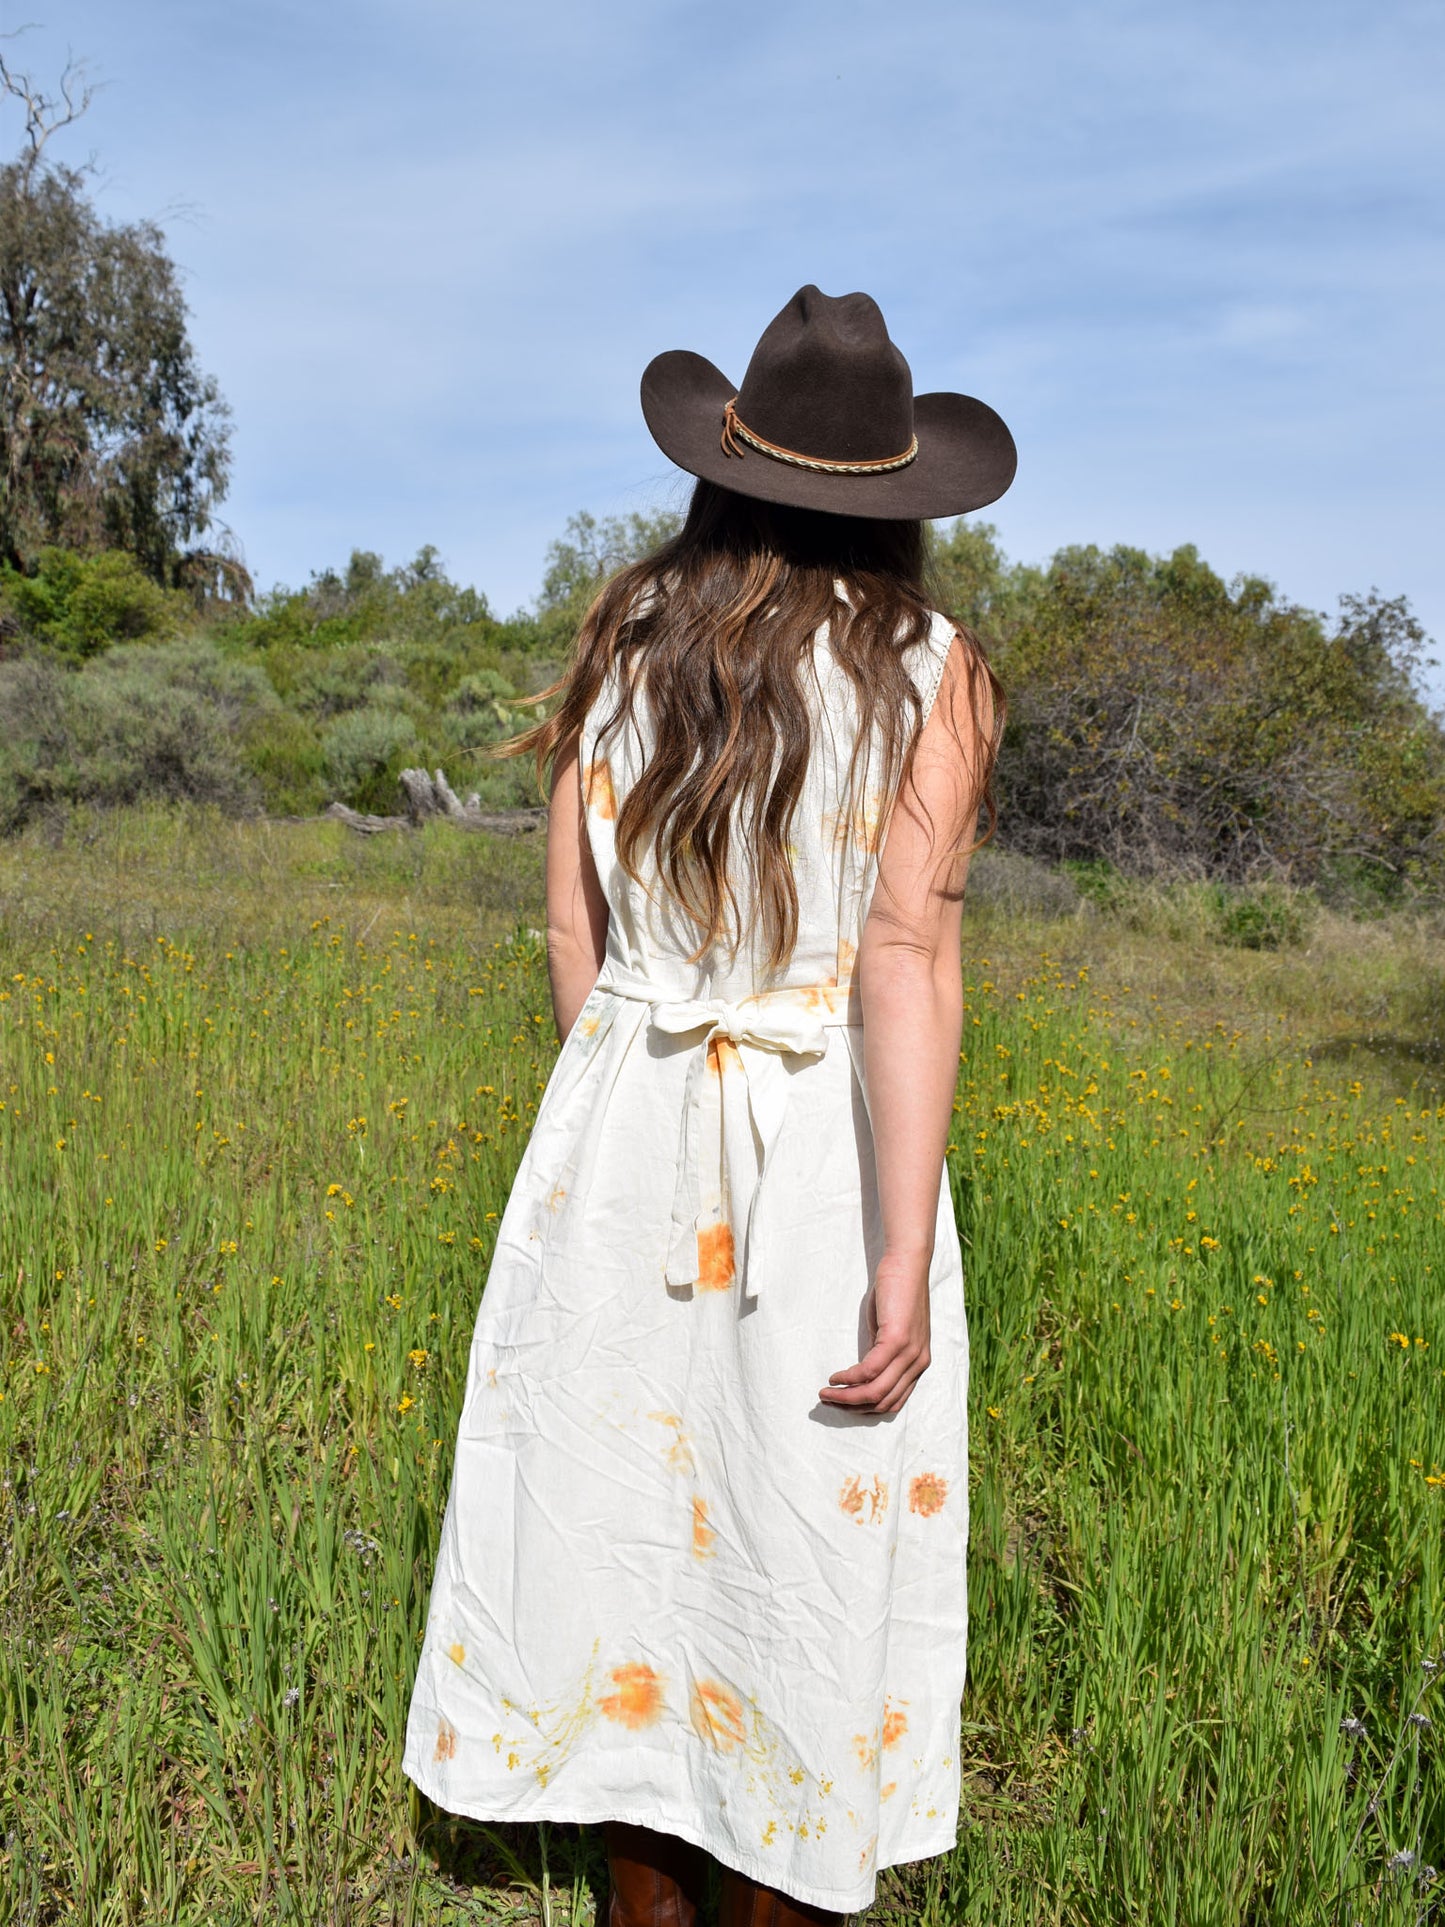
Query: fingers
{"type": "Point", "coordinates": [870, 1365]}
{"type": "Point", "coordinates": [882, 1381]}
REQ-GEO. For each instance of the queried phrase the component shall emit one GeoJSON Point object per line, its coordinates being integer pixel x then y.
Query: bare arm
{"type": "Point", "coordinates": [911, 987]}
{"type": "Point", "coordinates": [576, 904]}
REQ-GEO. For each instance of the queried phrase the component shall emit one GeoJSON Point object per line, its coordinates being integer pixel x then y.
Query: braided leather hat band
{"type": "Point", "coordinates": [735, 430]}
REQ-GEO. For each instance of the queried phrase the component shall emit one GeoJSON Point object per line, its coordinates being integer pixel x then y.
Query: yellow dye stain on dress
{"type": "Point", "coordinates": [715, 1258]}
{"type": "Point", "coordinates": [456, 1652]}
{"type": "Point", "coordinates": [587, 1026]}
{"type": "Point", "coordinates": [866, 1747]}
{"type": "Point", "coordinates": [446, 1748]}
{"type": "Point", "coordinates": [926, 1494]}
{"type": "Point", "coordinates": [717, 1715]}
{"type": "Point", "coordinates": [703, 1536]}
{"type": "Point", "coordinates": [895, 1723]}
{"type": "Point", "coordinates": [678, 1451]}
{"type": "Point", "coordinates": [638, 1699]}
{"type": "Point", "coordinates": [864, 1504]}
{"type": "Point", "coordinates": [597, 788]}
{"type": "Point", "coordinates": [860, 826]}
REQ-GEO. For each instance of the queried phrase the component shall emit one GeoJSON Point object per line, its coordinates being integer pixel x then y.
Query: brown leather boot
{"type": "Point", "coordinates": [657, 1879]}
{"type": "Point", "coordinates": [747, 1904]}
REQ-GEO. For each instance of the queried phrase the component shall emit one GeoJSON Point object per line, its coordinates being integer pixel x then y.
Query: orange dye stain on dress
{"type": "Point", "coordinates": [703, 1535]}
{"type": "Point", "coordinates": [715, 1260]}
{"type": "Point", "coordinates": [926, 1494]}
{"type": "Point", "coordinates": [887, 1792]}
{"type": "Point", "coordinates": [847, 960]}
{"type": "Point", "coordinates": [865, 1746]}
{"type": "Point", "coordinates": [717, 1715]}
{"type": "Point", "coordinates": [638, 1699]}
{"type": "Point", "coordinates": [597, 788]}
{"type": "Point", "coordinates": [895, 1724]}
{"type": "Point", "coordinates": [446, 1747]}
{"type": "Point", "coordinates": [828, 996]}
{"type": "Point", "coordinates": [722, 1056]}
{"type": "Point", "coordinates": [865, 1505]}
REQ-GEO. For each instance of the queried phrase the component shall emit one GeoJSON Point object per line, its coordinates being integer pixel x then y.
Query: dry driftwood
{"type": "Point", "coordinates": [432, 796]}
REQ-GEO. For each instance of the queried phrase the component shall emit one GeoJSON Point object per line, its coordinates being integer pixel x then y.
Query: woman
{"type": "Point", "coordinates": [702, 1570]}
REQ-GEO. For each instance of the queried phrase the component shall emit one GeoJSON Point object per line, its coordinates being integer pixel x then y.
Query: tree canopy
{"type": "Point", "coordinates": [1169, 723]}
{"type": "Point", "coordinates": [111, 436]}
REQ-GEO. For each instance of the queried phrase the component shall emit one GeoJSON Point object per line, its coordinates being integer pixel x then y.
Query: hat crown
{"type": "Point", "coordinates": [826, 381]}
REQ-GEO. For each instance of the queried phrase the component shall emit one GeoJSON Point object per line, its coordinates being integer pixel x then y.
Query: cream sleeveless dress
{"type": "Point", "coordinates": [672, 1588]}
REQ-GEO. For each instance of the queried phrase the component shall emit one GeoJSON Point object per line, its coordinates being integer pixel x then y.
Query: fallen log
{"type": "Point", "coordinates": [430, 797]}
{"type": "Point", "coordinates": [360, 822]}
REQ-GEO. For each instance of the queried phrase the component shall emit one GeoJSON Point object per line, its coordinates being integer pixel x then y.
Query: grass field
{"type": "Point", "coordinates": [262, 1090]}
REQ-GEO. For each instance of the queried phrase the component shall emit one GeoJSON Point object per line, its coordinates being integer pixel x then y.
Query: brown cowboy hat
{"type": "Point", "coordinates": [826, 418]}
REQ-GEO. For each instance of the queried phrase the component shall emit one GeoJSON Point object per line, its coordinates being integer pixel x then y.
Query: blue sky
{"type": "Point", "coordinates": [1192, 253]}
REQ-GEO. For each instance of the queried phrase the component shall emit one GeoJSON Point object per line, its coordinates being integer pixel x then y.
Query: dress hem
{"type": "Point", "coordinates": [585, 1814]}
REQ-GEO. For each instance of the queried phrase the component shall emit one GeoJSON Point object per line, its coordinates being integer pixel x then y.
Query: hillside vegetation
{"type": "Point", "coordinates": [1163, 724]}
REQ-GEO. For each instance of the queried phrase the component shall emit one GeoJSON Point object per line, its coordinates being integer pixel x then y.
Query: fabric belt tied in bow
{"type": "Point", "coordinates": [734, 1100]}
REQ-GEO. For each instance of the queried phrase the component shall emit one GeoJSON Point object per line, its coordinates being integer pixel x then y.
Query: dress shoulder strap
{"type": "Point", "coordinates": [927, 659]}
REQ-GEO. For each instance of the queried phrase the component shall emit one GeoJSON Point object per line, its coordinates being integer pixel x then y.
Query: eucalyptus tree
{"type": "Point", "coordinates": [111, 436]}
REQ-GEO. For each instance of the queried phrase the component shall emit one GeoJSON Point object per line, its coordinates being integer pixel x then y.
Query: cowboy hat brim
{"type": "Point", "coordinates": [966, 456]}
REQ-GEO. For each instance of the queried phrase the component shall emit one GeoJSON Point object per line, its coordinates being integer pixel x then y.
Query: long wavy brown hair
{"type": "Point", "coordinates": [714, 632]}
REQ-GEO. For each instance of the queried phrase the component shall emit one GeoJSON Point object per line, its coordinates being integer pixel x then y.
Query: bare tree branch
{"type": "Point", "coordinates": [46, 114]}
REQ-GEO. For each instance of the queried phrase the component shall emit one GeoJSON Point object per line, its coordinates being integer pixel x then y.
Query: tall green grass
{"type": "Point", "coordinates": [257, 1125]}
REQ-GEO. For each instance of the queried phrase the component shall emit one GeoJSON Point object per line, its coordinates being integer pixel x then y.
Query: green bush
{"type": "Point", "coordinates": [160, 721]}
{"type": "Point", "coordinates": [332, 682]}
{"type": "Point", "coordinates": [476, 712]}
{"type": "Point", "coordinates": [364, 750]}
{"type": "Point", "coordinates": [284, 756]}
{"type": "Point", "coordinates": [1180, 726]}
{"type": "Point", "coordinates": [83, 604]}
{"type": "Point", "coordinates": [1096, 880]}
{"type": "Point", "coordinates": [1264, 917]}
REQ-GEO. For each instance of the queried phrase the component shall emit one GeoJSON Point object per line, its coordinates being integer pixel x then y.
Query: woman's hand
{"type": "Point", "coordinates": [898, 1358]}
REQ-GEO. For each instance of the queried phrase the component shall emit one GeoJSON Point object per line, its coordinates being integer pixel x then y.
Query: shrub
{"type": "Point", "coordinates": [364, 750]}
{"type": "Point", "coordinates": [1176, 726]}
{"type": "Point", "coordinates": [476, 712]}
{"type": "Point", "coordinates": [164, 722]}
{"type": "Point", "coordinates": [82, 604]}
{"type": "Point", "coordinates": [1266, 917]}
{"type": "Point", "coordinates": [1017, 886]}
{"type": "Point", "coordinates": [283, 755]}
{"type": "Point", "coordinates": [333, 682]}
